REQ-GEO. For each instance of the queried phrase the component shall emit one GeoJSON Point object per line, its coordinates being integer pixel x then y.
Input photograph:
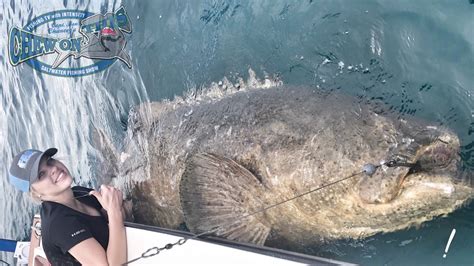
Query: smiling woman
{"type": "Point", "coordinates": [76, 227]}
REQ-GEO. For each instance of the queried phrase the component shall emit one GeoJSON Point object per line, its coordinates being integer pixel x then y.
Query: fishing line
{"type": "Point", "coordinates": [155, 250]}
{"type": "Point", "coordinates": [368, 169]}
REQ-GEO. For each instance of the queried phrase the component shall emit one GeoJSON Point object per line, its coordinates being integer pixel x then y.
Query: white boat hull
{"type": "Point", "coordinates": [203, 251]}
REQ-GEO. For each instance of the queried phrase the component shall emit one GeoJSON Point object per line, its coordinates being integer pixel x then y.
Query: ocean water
{"type": "Point", "coordinates": [415, 56]}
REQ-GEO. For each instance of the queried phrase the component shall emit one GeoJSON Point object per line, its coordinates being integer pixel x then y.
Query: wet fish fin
{"type": "Point", "coordinates": [217, 192]}
{"type": "Point", "coordinates": [108, 156]}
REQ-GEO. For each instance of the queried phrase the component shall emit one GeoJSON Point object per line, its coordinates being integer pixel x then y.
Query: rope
{"type": "Point", "coordinates": [155, 250]}
{"type": "Point", "coordinates": [4, 262]}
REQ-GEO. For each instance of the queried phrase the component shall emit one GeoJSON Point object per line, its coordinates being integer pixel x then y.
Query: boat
{"type": "Point", "coordinates": [151, 245]}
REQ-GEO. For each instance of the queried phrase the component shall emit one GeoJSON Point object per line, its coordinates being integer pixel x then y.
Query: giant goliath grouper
{"type": "Point", "coordinates": [211, 161]}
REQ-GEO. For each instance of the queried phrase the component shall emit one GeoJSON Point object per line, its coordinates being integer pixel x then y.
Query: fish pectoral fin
{"type": "Point", "coordinates": [217, 192]}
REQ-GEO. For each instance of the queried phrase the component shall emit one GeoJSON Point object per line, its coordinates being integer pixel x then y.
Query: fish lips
{"type": "Point", "coordinates": [437, 161]}
{"type": "Point", "coordinates": [438, 157]}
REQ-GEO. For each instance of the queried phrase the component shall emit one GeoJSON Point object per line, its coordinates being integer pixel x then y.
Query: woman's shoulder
{"type": "Point", "coordinates": [50, 209]}
{"type": "Point", "coordinates": [53, 213]}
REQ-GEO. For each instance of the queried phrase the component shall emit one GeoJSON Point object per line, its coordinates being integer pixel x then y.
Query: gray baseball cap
{"type": "Point", "coordinates": [24, 168]}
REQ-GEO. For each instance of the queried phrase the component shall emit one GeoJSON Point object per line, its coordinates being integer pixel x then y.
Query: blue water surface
{"type": "Point", "coordinates": [415, 56]}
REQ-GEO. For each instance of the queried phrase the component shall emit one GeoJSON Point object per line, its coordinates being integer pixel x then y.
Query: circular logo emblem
{"type": "Point", "coordinates": [71, 43]}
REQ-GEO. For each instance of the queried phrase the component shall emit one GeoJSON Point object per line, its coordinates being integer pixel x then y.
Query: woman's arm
{"type": "Point", "coordinates": [117, 249]}
{"type": "Point", "coordinates": [90, 251]}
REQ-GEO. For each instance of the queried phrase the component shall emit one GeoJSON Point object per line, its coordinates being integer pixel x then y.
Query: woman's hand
{"type": "Point", "coordinates": [89, 250]}
{"type": "Point", "coordinates": [110, 198]}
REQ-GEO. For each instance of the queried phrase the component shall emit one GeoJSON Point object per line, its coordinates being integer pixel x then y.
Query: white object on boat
{"type": "Point", "coordinates": [21, 252]}
{"type": "Point", "coordinates": [203, 251]}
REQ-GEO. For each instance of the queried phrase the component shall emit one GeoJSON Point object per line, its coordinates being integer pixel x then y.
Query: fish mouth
{"type": "Point", "coordinates": [434, 161]}
{"type": "Point", "coordinates": [441, 157]}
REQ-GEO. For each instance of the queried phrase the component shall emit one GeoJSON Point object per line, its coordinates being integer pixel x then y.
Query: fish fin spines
{"type": "Point", "coordinates": [218, 192]}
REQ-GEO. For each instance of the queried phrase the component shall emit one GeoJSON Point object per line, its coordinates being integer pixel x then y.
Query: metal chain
{"type": "Point", "coordinates": [395, 163]}
{"type": "Point", "coordinates": [155, 250]}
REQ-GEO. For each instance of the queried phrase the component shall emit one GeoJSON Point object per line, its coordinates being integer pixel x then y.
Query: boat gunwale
{"type": "Point", "coordinates": [264, 250]}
